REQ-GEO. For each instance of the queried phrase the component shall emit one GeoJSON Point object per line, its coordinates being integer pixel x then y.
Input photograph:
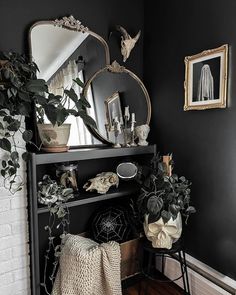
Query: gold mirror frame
{"type": "Point", "coordinates": [70, 23]}
{"type": "Point", "coordinates": [117, 69]}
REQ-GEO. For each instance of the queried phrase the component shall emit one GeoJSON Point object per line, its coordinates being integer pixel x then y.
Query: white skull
{"type": "Point", "coordinates": [161, 234]}
{"type": "Point", "coordinates": [102, 182]}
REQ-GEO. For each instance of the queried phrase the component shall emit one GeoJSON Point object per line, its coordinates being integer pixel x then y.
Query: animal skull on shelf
{"type": "Point", "coordinates": [102, 182]}
{"type": "Point", "coordinates": [127, 42]}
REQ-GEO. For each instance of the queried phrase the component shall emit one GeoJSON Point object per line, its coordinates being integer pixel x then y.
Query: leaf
{"type": "Point", "coordinates": [27, 135]}
{"type": "Point", "coordinates": [2, 113]}
{"type": "Point", "coordinates": [5, 144]}
{"type": "Point", "coordinates": [72, 95]}
{"type": "Point", "coordinates": [153, 218]}
{"type": "Point", "coordinates": [79, 82]}
{"type": "Point", "coordinates": [37, 86]}
{"type": "Point", "coordinates": [62, 114]}
{"type": "Point", "coordinates": [165, 215]}
{"type": "Point", "coordinates": [190, 210]}
{"type": "Point", "coordinates": [12, 171]}
{"type": "Point", "coordinates": [154, 205]}
{"type": "Point", "coordinates": [4, 164]}
{"type": "Point", "coordinates": [1, 126]}
{"type": "Point", "coordinates": [24, 109]}
{"type": "Point", "coordinates": [24, 96]}
{"type": "Point", "coordinates": [26, 156]}
{"type": "Point", "coordinates": [40, 99]}
{"type": "Point", "coordinates": [14, 156]}
{"type": "Point", "coordinates": [3, 173]}
{"type": "Point", "coordinates": [51, 113]}
{"type": "Point", "coordinates": [14, 125]}
{"type": "Point", "coordinates": [2, 99]}
{"type": "Point", "coordinates": [174, 209]}
{"type": "Point", "coordinates": [84, 101]}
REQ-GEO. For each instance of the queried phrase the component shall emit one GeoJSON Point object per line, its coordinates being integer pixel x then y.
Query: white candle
{"type": "Point", "coordinates": [127, 111]}
{"type": "Point", "coordinates": [132, 127]}
{"type": "Point", "coordinates": [133, 117]}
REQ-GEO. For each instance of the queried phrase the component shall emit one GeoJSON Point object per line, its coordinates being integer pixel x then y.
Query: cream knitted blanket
{"type": "Point", "coordinates": [87, 268]}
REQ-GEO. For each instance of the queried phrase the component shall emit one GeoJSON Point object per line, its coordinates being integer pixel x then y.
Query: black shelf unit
{"type": "Point", "coordinates": [87, 154]}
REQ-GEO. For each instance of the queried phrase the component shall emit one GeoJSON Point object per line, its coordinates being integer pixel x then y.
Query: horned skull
{"type": "Point", "coordinates": [102, 182]}
{"type": "Point", "coordinates": [127, 42]}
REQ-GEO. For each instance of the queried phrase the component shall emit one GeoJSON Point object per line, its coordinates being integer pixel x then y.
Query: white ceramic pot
{"type": "Point", "coordinates": [163, 235]}
{"type": "Point", "coordinates": [54, 138]}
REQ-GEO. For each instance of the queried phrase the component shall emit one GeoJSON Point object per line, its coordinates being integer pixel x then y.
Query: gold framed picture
{"type": "Point", "coordinates": [206, 76]}
{"type": "Point", "coordinates": [113, 109]}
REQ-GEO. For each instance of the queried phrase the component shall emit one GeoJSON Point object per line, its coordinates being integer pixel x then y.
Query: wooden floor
{"type": "Point", "coordinates": [154, 289]}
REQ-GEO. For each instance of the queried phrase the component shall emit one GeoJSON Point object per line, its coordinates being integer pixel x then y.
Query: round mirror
{"type": "Point", "coordinates": [64, 50]}
{"type": "Point", "coordinates": [116, 90]}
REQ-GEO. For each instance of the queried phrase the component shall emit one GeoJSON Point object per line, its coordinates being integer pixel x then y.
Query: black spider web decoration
{"type": "Point", "coordinates": [111, 224]}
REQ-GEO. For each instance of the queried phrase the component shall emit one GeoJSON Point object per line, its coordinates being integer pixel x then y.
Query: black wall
{"type": "Point", "coordinates": [203, 142]}
{"type": "Point", "coordinates": [100, 16]}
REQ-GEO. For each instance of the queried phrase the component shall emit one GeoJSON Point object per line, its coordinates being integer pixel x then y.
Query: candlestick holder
{"type": "Point", "coordinates": [125, 131]}
{"type": "Point", "coordinates": [117, 131]}
{"type": "Point", "coordinates": [133, 134]}
{"type": "Point", "coordinates": [107, 127]}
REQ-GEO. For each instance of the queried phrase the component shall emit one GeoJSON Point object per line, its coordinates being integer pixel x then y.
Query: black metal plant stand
{"type": "Point", "coordinates": [177, 252]}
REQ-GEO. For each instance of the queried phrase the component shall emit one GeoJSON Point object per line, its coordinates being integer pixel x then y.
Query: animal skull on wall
{"type": "Point", "coordinates": [127, 42]}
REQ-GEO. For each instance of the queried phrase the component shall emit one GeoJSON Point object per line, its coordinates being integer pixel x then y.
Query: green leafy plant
{"type": "Point", "coordinates": [17, 72]}
{"type": "Point", "coordinates": [54, 196]}
{"type": "Point", "coordinates": [20, 94]}
{"type": "Point", "coordinates": [163, 195]}
{"type": "Point", "coordinates": [57, 108]}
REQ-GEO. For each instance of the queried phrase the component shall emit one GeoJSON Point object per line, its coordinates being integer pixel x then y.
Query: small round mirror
{"type": "Point", "coordinates": [126, 170]}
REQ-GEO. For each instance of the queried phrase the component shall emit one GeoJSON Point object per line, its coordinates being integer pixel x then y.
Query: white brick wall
{"type": "Point", "coordinates": [14, 248]}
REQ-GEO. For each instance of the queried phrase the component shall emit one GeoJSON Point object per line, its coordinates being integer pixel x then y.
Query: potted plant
{"type": "Point", "coordinates": [163, 202]}
{"type": "Point", "coordinates": [55, 197]}
{"type": "Point", "coordinates": [20, 94]}
{"type": "Point", "coordinates": [57, 108]}
{"type": "Point", "coordinates": [16, 102]}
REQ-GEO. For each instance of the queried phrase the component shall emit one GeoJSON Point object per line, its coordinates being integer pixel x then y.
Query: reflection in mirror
{"type": "Point", "coordinates": [116, 89]}
{"type": "Point", "coordinates": [65, 50]}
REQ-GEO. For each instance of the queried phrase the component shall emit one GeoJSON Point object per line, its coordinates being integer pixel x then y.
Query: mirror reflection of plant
{"type": "Point", "coordinates": [16, 101]}
{"type": "Point", "coordinates": [55, 196]}
{"type": "Point", "coordinates": [57, 108]}
{"type": "Point", "coordinates": [163, 195]}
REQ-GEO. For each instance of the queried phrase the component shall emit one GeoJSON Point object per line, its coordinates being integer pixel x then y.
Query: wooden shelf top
{"type": "Point", "coordinates": [90, 153]}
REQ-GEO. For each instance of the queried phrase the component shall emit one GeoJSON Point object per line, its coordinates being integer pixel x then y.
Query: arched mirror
{"type": "Point", "coordinates": [64, 50]}
{"type": "Point", "coordinates": [116, 89]}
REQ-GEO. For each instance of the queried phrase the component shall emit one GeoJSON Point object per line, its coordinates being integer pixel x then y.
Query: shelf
{"type": "Point", "coordinates": [91, 153]}
{"type": "Point", "coordinates": [125, 189]}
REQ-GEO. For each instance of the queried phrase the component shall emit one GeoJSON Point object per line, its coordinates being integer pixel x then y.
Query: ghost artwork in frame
{"type": "Point", "coordinates": [206, 76]}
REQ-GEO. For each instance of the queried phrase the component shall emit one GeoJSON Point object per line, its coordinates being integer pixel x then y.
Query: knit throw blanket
{"type": "Point", "coordinates": [88, 268]}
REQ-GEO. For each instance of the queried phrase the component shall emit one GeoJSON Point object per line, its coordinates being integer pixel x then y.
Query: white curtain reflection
{"type": "Point", "coordinates": [79, 135]}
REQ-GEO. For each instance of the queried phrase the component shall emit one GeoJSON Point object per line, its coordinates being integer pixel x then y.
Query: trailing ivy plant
{"type": "Point", "coordinates": [55, 196]}
{"type": "Point", "coordinates": [163, 195]}
{"type": "Point", "coordinates": [17, 73]}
